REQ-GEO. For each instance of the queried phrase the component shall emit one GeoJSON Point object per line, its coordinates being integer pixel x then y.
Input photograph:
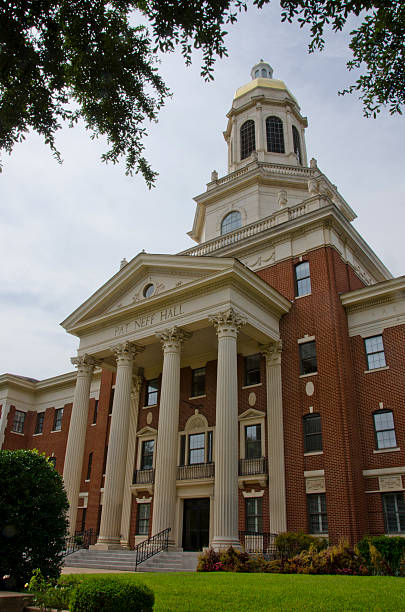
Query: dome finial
{"type": "Point", "coordinates": [262, 70]}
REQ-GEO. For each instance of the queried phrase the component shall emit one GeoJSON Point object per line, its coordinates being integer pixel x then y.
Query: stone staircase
{"type": "Point", "coordinates": [124, 560]}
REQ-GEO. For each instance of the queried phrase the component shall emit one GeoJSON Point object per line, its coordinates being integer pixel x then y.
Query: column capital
{"type": "Point", "coordinates": [126, 351]}
{"type": "Point", "coordinates": [85, 364]}
{"type": "Point", "coordinates": [227, 321]}
{"type": "Point", "coordinates": [272, 352]}
{"type": "Point", "coordinates": [173, 338]}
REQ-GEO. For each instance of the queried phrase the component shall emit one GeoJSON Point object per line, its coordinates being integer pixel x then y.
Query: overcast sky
{"type": "Point", "coordinates": [64, 229]}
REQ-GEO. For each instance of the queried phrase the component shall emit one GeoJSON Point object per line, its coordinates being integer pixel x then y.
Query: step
{"type": "Point", "coordinates": [165, 561]}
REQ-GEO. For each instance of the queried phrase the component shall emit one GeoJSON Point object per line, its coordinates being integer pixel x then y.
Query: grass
{"type": "Point", "coordinates": [206, 592]}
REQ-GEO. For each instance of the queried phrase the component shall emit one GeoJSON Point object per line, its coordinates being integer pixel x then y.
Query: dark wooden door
{"type": "Point", "coordinates": [196, 523]}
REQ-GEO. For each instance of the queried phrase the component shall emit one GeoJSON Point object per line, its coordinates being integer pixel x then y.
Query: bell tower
{"type": "Point", "coordinates": [265, 123]}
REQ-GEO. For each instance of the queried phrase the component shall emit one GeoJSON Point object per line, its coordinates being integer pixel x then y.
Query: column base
{"type": "Point", "coordinates": [224, 543]}
{"type": "Point", "coordinates": [107, 544]}
{"type": "Point", "coordinates": [125, 545]}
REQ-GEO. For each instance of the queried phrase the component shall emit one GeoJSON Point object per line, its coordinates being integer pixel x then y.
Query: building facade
{"type": "Point", "coordinates": [249, 385]}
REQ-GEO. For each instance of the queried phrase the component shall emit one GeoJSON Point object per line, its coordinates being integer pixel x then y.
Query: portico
{"type": "Point", "coordinates": [199, 308]}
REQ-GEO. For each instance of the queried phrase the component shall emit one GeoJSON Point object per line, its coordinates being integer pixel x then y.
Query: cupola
{"type": "Point", "coordinates": [265, 123]}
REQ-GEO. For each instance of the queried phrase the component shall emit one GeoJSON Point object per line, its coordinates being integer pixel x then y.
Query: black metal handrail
{"type": "Point", "coordinates": [250, 467]}
{"type": "Point", "coordinates": [152, 546]}
{"type": "Point", "coordinates": [81, 539]}
{"type": "Point", "coordinates": [196, 470]}
{"type": "Point", "coordinates": [144, 477]}
{"type": "Point", "coordinates": [255, 542]}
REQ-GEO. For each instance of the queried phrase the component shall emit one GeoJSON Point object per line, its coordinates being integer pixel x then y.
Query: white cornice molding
{"type": "Point", "coordinates": [13, 381]}
{"type": "Point", "coordinates": [386, 291]}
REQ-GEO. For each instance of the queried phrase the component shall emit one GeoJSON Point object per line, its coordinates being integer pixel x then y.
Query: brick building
{"type": "Point", "coordinates": [251, 384]}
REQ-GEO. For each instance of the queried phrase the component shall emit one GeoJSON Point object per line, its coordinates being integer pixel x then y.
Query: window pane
{"type": "Point", "coordinates": [275, 135]}
{"type": "Point", "coordinates": [254, 514]}
{"type": "Point", "coordinates": [385, 429]}
{"type": "Point", "coordinates": [247, 139]}
{"type": "Point", "coordinates": [394, 512]}
{"type": "Point", "coordinates": [142, 527]}
{"type": "Point", "coordinates": [375, 352]}
{"type": "Point", "coordinates": [196, 448]}
{"type": "Point", "coordinates": [317, 517]}
{"type": "Point", "coordinates": [253, 441]}
{"type": "Point", "coordinates": [312, 433]}
{"type": "Point", "coordinates": [147, 454]}
{"type": "Point", "coordinates": [57, 421]}
{"type": "Point", "coordinates": [40, 423]}
{"type": "Point", "coordinates": [252, 370]}
{"type": "Point", "coordinates": [18, 423]}
{"type": "Point", "coordinates": [152, 392]}
{"type": "Point", "coordinates": [231, 222]}
{"type": "Point", "coordinates": [297, 144]}
{"type": "Point", "coordinates": [198, 382]}
{"type": "Point", "coordinates": [308, 362]}
{"type": "Point", "coordinates": [302, 279]}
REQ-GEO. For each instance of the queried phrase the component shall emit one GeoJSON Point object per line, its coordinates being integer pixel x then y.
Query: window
{"type": "Point", "coordinates": [110, 406]}
{"type": "Point", "coordinates": [302, 279]}
{"type": "Point", "coordinates": [297, 144]}
{"type": "Point", "coordinates": [196, 448]}
{"type": "Point", "coordinates": [152, 392]}
{"type": "Point", "coordinates": [247, 139]}
{"type": "Point", "coordinates": [384, 429]}
{"type": "Point", "coordinates": [257, 74]}
{"type": "Point", "coordinates": [198, 382]}
{"type": "Point", "coordinates": [394, 512]}
{"type": "Point", "coordinates": [253, 441]}
{"type": "Point", "coordinates": [148, 290]}
{"type": "Point", "coordinates": [90, 461]}
{"type": "Point", "coordinates": [95, 413]}
{"type": "Point", "coordinates": [40, 422]}
{"type": "Point", "coordinates": [231, 222]}
{"type": "Point", "coordinates": [57, 419]}
{"type": "Point", "coordinates": [18, 423]}
{"type": "Point", "coordinates": [147, 454]}
{"type": "Point", "coordinates": [308, 363]}
{"type": "Point", "coordinates": [312, 433]}
{"type": "Point", "coordinates": [317, 517]}
{"type": "Point", "coordinates": [275, 135]}
{"type": "Point", "coordinates": [252, 370]}
{"type": "Point", "coordinates": [142, 519]}
{"type": "Point", "coordinates": [375, 352]}
{"type": "Point", "coordinates": [254, 514]}
{"type": "Point", "coordinates": [83, 523]}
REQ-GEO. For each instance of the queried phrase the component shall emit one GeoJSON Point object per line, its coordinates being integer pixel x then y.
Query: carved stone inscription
{"type": "Point", "coordinates": [160, 316]}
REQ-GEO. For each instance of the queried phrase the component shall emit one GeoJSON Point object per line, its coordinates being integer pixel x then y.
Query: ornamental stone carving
{"type": "Point", "coordinates": [85, 364]}
{"type": "Point", "coordinates": [272, 352]}
{"type": "Point", "coordinates": [173, 337]}
{"type": "Point", "coordinates": [282, 198]}
{"type": "Point", "coordinates": [126, 350]}
{"type": "Point", "coordinates": [227, 320]}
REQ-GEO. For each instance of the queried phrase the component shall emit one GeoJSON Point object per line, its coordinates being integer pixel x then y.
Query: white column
{"type": "Point", "coordinates": [5, 409]}
{"type": "Point", "coordinates": [164, 499]}
{"type": "Point", "coordinates": [110, 527]}
{"type": "Point", "coordinates": [129, 471]}
{"type": "Point", "coordinates": [226, 508]}
{"type": "Point", "coordinates": [72, 469]}
{"type": "Point", "coordinates": [275, 429]}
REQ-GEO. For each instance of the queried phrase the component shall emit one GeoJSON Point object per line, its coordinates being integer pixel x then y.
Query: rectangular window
{"type": "Point", "coordinates": [308, 363]}
{"type": "Point", "coordinates": [196, 448]}
{"type": "Point", "coordinates": [110, 407]}
{"type": "Point", "coordinates": [147, 454]}
{"type": "Point", "coordinates": [95, 413]}
{"type": "Point", "coordinates": [302, 279]}
{"type": "Point", "coordinates": [142, 519]}
{"type": "Point", "coordinates": [252, 370]}
{"type": "Point", "coordinates": [254, 514]}
{"type": "Point", "coordinates": [394, 512]}
{"type": "Point", "coordinates": [152, 392]}
{"type": "Point", "coordinates": [312, 433]}
{"type": "Point", "coordinates": [384, 429]}
{"type": "Point", "coordinates": [18, 423]}
{"type": "Point", "coordinates": [40, 422]}
{"type": "Point", "coordinates": [375, 352]}
{"type": "Point", "coordinates": [317, 517]}
{"type": "Point", "coordinates": [253, 441]}
{"type": "Point", "coordinates": [209, 447]}
{"type": "Point", "coordinates": [198, 382]}
{"type": "Point", "coordinates": [90, 461]}
{"type": "Point", "coordinates": [57, 419]}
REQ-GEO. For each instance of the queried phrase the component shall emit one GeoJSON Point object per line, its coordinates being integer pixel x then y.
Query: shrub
{"type": "Point", "coordinates": [338, 559]}
{"type": "Point", "coordinates": [103, 594]}
{"type": "Point", "coordinates": [392, 550]}
{"type": "Point", "coordinates": [49, 593]}
{"type": "Point", "coordinates": [290, 544]}
{"type": "Point", "coordinates": [33, 507]}
{"type": "Point", "coordinates": [208, 561]}
{"type": "Point", "coordinates": [233, 560]}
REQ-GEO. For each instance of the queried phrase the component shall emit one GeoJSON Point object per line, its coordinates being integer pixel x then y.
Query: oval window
{"type": "Point", "coordinates": [148, 290]}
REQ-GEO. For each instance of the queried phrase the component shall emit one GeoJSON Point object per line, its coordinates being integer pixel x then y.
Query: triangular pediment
{"type": "Point", "coordinates": [143, 281]}
{"type": "Point", "coordinates": [251, 413]}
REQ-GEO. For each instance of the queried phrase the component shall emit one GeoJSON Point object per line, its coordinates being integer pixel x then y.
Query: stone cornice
{"type": "Point", "coordinates": [24, 384]}
{"type": "Point", "coordinates": [386, 291]}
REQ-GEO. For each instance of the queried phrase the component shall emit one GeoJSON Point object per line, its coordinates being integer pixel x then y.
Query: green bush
{"type": "Point", "coordinates": [290, 544]}
{"type": "Point", "coordinates": [103, 594]}
{"type": "Point", "coordinates": [392, 550]}
{"type": "Point", "coordinates": [49, 593]}
{"type": "Point", "coordinates": [338, 559]}
{"type": "Point", "coordinates": [33, 507]}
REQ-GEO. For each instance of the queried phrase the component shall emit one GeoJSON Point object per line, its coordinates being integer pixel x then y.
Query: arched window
{"type": "Point", "coordinates": [264, 72]}
{"type": "Point", "coordinates": [257, 74]}
{"type": "Point", "coordinates": [231, 222]}
{"type": "Point", "coordinates": [312, 433]}
{"type": "Point", "coordinates": [247, 139]}
{"type": "Point", "coordinates": [275, 135]}
{"type": "Point", "coordinates": [297, 144]}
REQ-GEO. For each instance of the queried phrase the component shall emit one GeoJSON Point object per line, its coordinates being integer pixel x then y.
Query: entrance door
{"type": "Point", "coordinates": [196, 523]}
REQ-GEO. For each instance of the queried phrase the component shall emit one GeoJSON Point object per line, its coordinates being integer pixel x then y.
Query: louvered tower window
{"type": "Point", "coordinates": [275, 135]}
{"type": "Point", "coordinates": [247, 139]}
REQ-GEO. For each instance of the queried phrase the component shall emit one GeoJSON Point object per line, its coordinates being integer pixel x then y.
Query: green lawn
{"type": "Point", "coordinates": [205, 592]}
